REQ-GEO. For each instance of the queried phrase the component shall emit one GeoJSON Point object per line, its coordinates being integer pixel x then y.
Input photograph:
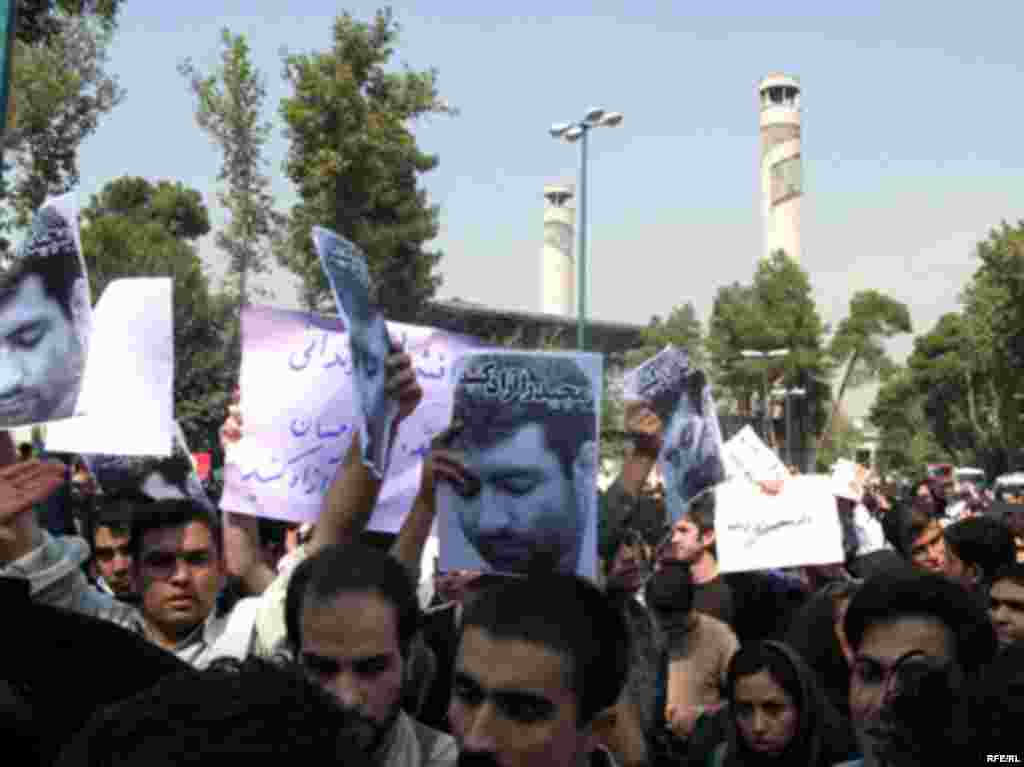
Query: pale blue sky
{"type": "Point", "coordinates": [911, 135]}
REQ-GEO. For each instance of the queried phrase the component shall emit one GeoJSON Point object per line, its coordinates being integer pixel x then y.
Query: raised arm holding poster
{"type": "Point", "coordinates": [346, 270]}
{"type": "Point", "coordinates": [299, 400]}
{"type": "Point", "coordinates": [527, 438]}
{"type": "Point", "coordinates": [45, 320]}
{"type": "Point", "coordinates": [690, 458]}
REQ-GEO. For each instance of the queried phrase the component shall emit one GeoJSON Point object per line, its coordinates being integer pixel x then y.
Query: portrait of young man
{"type": "Point", "coordinates": [368, 336]}
{"type": "Point", "coordinates": [45, 317]}
{"type": "Point", "coordinates": [526, 443]}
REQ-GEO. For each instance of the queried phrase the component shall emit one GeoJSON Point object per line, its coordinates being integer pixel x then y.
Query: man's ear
{"type": "Point", "coordinates": [707, 538]}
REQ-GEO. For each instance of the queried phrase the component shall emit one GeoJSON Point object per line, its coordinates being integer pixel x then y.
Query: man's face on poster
{"type": "Point", "coordinates": [367, 366]}
{"type": "Point", "coordinates": [41, 356]}
{"type": "Point", "coordinates": [526, 511]}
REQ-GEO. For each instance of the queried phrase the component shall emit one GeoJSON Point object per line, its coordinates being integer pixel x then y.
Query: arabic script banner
{"type": "Point", "coordinates": [299, 406]}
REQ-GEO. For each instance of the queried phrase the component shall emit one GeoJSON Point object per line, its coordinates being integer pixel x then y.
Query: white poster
{"type": "Point", "coordinates": [299, 406]}
{"type": "Point", "coordinates": [745, 455]}
{"type": "Point", "coordinates": [45, 320]}
{"type": "Point", "coordinates": [755, 530]}
{"type": "Point", "coordinates": [127, 394]}
{"type": "Point", "coordinates": [347, 272]}
{"type": "Point", "coordinates": [529, 446]}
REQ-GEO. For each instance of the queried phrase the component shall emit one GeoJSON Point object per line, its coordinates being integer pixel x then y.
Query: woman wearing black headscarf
{"type": "Point", "coordinates": [777, 713]}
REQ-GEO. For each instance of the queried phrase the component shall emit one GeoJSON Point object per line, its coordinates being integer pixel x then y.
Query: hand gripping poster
{"type": "Point", "coordinates": [691, 452]}
{"type": "Point", "coordinates": [526, 436]}
{"type": "Point", "coordinates": [45, 319]}
{"type": "Point", "coordinates": [347, 272]}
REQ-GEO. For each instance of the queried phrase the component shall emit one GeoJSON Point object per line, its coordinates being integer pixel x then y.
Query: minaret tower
{"type": "Point", "coordinates": [781, 174]}
{"type": "Point", "coordinates": [558, 266]}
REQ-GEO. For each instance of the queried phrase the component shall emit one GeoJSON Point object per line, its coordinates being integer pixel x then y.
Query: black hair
{"type": "Point", "coordinates": [488, 419]}
{"type": "Point", "coordinates": [115, 512]}
{"type": "Point", "coordinates": [172, 512]}
{"type": "Point", "coordinates": [984, 542]}
{"type": "Point", "coordinates": [50, 253]}
{"type": "Point", "coordinates": [905, 522]}
{"type": "Point", "coordinates": [347, 568]}
{"type": "Point", "coordinates": [887, 599]}
{"type": "Point", "coordinates": [250, 708]}
{"type": "Point", "coordinates": [1011, 572]}
{"type": "Point", "coordinates": [701, 511]}
{"type": "Point", "coordinates": [25, 450]}
{"type": "Point", "coordinates": [997, 703]}
{"type": "Point", "coordinates": [569, 616]}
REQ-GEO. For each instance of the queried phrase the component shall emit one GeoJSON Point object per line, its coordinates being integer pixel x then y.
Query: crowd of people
{"type": "Point", "coordinates": [158, 632]}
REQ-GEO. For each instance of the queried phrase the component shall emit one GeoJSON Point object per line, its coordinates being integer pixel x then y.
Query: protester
{"type": "Point", "coordinates": [698, 649]}
{"type": "Point", "coordinates": [693, 542]}
{"type": "Point", "coordinates": [894, 618]}
{"type": "Point", "coordinates": [564, 658]}
{"type": "Point", "coordinates": [915, 532]}
{"type": "Point", "coordinates": [1006, 603]}
{"type": "Point", "coordinates": [976, 547]}
{"type": "Point", "coordinates": [234, 710]}
{"type": "Point", "coordinates": [110, 532]}
{"type": "Point", "coordinates": [777, 713]}
{"type": "Point", "coordinates": [352, 614]}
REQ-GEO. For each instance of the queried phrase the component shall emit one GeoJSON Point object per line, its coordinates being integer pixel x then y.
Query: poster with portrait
{"type": "Point", "coordinates": [691, 453]}
{"type": "Point", "coordinates": [45, 319]}
{"type": "Point", "coordinates": [528, 426]}
{"type": "Point", "coordinates": [347, 272]}
{"type": "Point", "coordinates": [172, 477]}
{"type": "Point", "coordinates": [745, 455]}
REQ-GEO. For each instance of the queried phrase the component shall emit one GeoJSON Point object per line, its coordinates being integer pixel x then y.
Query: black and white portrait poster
{"type": "Point", "coordinates": [346, 270]}
{"type": "Point", "coordinates": [45, 320]}
{"type": "Point", "coordinates": [527, 439]}
{"type": "Point", "coordinates": [691, 453]}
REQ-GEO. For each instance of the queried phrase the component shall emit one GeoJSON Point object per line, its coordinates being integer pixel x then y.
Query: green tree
{"type": "Point", "coordinates": [682, 328]}
{"type": "Point", "coordinates": [229, 109]}
{"type": "Point", "coordinates": [356, 165]}
{"type": "Point", "coordinates": [776, 311]}
{"type": "Point", "coordinates": [859, 342]}
{"type": "Point", "coordinates": [134, 228]}
{"type": "Point", "coordinates": [39, 20]}
{"type": "Point", "coordinates": [61, 88]}
{"type": "Point", "coordinates": [905, 442]}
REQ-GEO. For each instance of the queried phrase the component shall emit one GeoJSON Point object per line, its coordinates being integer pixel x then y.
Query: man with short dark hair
{"type": "Point", "coordinates": [1006, 603]}
{"type": "Point", "coordinates": [352, 613]}
{"type": "Point", "coordinates": [917, 534]}
{"type": "Point", "coordinates": [235, 709]}
{"type": "Point", "coordinates": [110, 532]}
{"type": "Point", "coordinates": [977, 547]}
{"type": "Point", "coordinates": [918, 619]}
{"type": "Point", "coordinates": [539, 661]}
{"type": "Point", "coordinates": [44, 324]}
{"type": "Point", "coordinates": [527, 497]}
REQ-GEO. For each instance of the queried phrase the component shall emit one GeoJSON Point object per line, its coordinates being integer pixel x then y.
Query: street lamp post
{"type": "Point", "coordinates": [571, 132]}
{"type": "Point", "coordinates": [764, 355]}
{"type": "Point", "coordinates": [789, 394]}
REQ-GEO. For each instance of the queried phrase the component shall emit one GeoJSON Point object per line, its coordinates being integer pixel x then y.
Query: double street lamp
{"type": "Point", "coordinates": [572, 132]}
{"type": "Point", "coordinates": [764, 355]}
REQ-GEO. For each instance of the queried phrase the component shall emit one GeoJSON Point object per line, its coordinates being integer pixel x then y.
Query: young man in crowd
{"type": "Point", "coordinates": [540, 661]}
{"type": "Point", "coordinates": [917, 534]}
{"type": "Point", "coordinates": [976, 548]}
{"type": "Point", "coordinates": [920, 619]}
{"type": "Point", "coordinates": [352, 613]}
{"type": "Point", "coordinates": [110, 532]}
{"type": "Point", "coordinates": [1006, 603]}
{"type": "Point", "coordinates": [693, 543]}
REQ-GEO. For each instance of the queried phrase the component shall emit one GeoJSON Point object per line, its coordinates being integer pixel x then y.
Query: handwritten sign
{"type": "Point", "coordinates": [529, 443]}
{"type": "Point", "coordinates": [346, 270]}
{"type": "Point", "coordinates": [299, 404]}
{"type": "Point", "coordinates": [849, 480]}
{"type": "Point", "coordinates": [745, 455]}
{"type": "Point", "coordinates": [128, 388]}
{"type": "Point", "coordinates": [798, 526]}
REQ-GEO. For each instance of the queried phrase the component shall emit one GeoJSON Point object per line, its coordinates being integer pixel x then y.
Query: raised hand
{"type": "Point", "coordinates": [22, 485]}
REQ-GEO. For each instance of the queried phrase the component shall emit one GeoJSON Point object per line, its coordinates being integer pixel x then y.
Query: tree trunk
{"type": "Point", "coordinates": [837, 404]}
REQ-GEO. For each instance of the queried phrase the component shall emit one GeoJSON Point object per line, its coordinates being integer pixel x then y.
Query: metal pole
{"type": "Point", "coordinates": [764, 403]}
{"type": "Point", "coordinates": [581, 248]}
{"type": "Point", "coordinates": [789, 433]}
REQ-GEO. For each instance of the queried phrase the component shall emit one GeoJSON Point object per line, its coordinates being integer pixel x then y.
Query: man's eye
{"type": "Point", "coordinates": [372, 667]}
{"type": "Point", "coordinates": [27, 338]}
{"type": "Point", "coordinates": [869, 674]}
{"type": "Point", "coordinates": [525, 712]}
{"type": "Point", "coordinates": [159, 561]}
{"type": "Point", "coordinates": [467, 693]}
{"type": "Point", "coordinates": [517, 485]}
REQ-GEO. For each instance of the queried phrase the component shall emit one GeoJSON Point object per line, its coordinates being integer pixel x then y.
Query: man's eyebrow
{"type": "Point", "coordinates": [504, 696]}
